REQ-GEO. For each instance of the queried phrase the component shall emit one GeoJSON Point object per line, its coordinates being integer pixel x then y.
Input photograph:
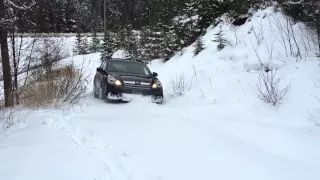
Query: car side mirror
{"type": "Point", "coordinates": [100, 70]}
{"type": "Point", "coordinates": [154, 74]}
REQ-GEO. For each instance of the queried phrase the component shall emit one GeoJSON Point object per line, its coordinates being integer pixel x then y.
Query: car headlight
{"type": "Point", "coordinates": [112, 80]}
{"type": "Point", "coordinates": [157, 84]}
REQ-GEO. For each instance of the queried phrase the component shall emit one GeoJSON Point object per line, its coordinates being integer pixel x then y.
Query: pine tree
{"type": "Point", "coordinates": [76, 49]}
{"type": "Point", "coordinates": [199, 46]}
{"type": "Point", "coordinates": [220, 40]}
{"type": "Point", "coordinates": [94, 44]}
{"type": "Point", "coordinates": [206, 11]}
{"type": "Point", "coordinates": [171, 42]}
{"type": "Point", "coordinates": [153, 43]}
{"type": "Point", "coordinates": [109, 46]}
{"type": "Point", "coordinates": [130, 43]}
{"type": "Point", "coordinates": [186, 26]}
{"type": "Point", "coordinates": [82, 45]}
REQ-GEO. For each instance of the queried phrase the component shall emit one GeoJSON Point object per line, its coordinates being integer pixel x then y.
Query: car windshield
{"type": "Point", "coordinates": [129, 67]}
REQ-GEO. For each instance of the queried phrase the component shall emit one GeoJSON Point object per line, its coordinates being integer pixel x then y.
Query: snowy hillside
{"type": "Point", "coordinates": [228, 79]}
{"type": "Point", "coordinates": [211, 125]}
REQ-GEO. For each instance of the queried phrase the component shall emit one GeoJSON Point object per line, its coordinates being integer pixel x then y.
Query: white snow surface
{"type": "Point", "coordinates": [216, 130]}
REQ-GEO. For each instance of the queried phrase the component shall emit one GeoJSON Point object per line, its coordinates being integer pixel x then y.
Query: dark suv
{"type": "Point", "coordinates": [117, 77]}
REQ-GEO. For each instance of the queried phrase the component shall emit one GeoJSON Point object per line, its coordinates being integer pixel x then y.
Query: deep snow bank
{"type": "Point", "coordinates": [227, 79]}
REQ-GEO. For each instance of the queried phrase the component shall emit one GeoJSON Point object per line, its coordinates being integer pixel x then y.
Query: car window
{"type": "Point", "coordinates": [129, 67]}
{"type": "Point", "coordinates": [102, 65]}
{"type": "Point", "coordinates": [105, 66]}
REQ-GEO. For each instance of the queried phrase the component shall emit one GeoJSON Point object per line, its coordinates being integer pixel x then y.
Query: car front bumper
{"type": "Point", "coordinates": [117, 93]}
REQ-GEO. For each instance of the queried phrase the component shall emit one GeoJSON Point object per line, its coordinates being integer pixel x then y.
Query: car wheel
{"type": "Point", "coordinates": [95, 92]}
{"type": "Point", "coordinates": [100, 93]}
{"type": "Point", "coordinates": [157, 99]}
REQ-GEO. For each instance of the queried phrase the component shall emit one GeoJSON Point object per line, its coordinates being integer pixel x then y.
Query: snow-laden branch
{"type": "Point", "coordinates": [293, 3]}
{"type": "Point", "coordinates": [23, 7]}
{"type": "Point", "coordinates": [317, 3]}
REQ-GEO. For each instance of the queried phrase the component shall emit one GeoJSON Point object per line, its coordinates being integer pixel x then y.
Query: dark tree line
{"type": "Point", "coordinates": [63, 16]}
{"type": "Point", "coordinates": [167, 26]}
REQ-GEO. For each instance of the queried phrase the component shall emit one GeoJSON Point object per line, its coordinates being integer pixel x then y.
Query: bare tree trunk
{"type": "Point", "coordinates": [16, 59]}
{"type": "Point", "coordinates": [6, 69]}
{"type": "Point", "coordinates": [318, 31]}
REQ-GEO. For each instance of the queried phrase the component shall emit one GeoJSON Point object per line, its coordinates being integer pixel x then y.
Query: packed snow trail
{"type": "Point", "coordinates": [167, 143]}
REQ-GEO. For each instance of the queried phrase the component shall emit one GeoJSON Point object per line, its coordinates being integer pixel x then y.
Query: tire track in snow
{"type": "Point", "coordinates": [117, 165]}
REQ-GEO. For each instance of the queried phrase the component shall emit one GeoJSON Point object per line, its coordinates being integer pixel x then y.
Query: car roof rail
{"type": "Point", "coordinates": [135, 59]}
{"type": "Point", "coordinates": [138, 60]}
{"type": "Point", "coordinates": [128, 59]}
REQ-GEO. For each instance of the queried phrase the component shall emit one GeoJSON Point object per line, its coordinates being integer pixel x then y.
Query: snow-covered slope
{"type": "Point", "coordinates": [217, 129]}
{"type": "Point", "coordinates": [228, 79]}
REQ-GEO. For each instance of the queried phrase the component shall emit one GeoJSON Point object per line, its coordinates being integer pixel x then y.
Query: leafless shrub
{"type": "Point", "coordinates": [242, 88]}
{"type": "Point", "coordinates": [286, 35]}
{"type": "Point", "coordinates": [202, 96]}
{"type": "Point", "coordinates": [280, 58]}
{"type": "Point", "coordinates": [50, 83]}
{"type": "Point", "coordinates": [281, 35]}
{"type": "Point", "coordinates": [64, 85]}
{"type": "Point", "coordinates": [194, 76]}
{"type": "Point", "coordinates": [261, 64]}
{"type": "Point", "coordinates": [10, 117]}
{"type": "Point", "coordinates": [178, 85]}
{"type": "Point", "coordinates": [268, 89]}
{"type": "Point", "coordinates": [269, 48]}
{"type": "Point", "coordinates": [45, 53]}
{"type": "Point", "coordinates": [213, 92]}
{"type": "Point", "coordinates": [309, 39]}
{"type": "Point", "coordinates": [258, 34]}
{"type": "Point", "coordinates": [49, 52]}
{"type": "Point", "coordinates": [234, 40]}
{"type": "Point", "coordinates": [21, 51]}
{"type": "Point", "coordinates": [294, 38]}
{"type": "Point", "coordinates": [73, 85]}
{"type": "Point", "coordinates": [236, 36]}
{"type": "Point", "coordinates": [313, 119]}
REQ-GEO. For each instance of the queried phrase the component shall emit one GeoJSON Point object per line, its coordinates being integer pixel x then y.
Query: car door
{"type": "Point", "coordinates": [99, 74]}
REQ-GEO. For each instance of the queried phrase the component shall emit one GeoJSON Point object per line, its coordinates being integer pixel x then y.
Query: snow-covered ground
{"type": "Point", "coordinates": [218, 129]}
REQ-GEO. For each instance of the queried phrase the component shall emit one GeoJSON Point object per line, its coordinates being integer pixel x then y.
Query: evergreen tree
{"type": "Point", "coordinates": [109, 46]}
{"type": "Point", "coordinates": [171, 42]}
{"type": "Point", "coordinates": [220, 39]}
{"type": "Point", "coordinates": [94, 44]}
{"type": "Point", "coordinates": [76, 49]}
{"type": "Point", "coordinates": [187, 26]}
{"type": "Point", "coordinates": [153, 43]}
{"type": "Point", "coordinates": [199, 46]}
{"type": "Point", "coordinates": [82, 45]}
{"type": "Point", "coordinates": [68, 15]}
{"type": "Point", "coordinates": [206, 11]}
{"type": "Point", "coordinates": [130, 43]}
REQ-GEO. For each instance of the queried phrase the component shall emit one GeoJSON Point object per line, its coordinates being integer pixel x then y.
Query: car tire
{"type": "Point", "coordinates": [95, 95]}
{"type": "Point", "coordinates": [100, 93]}
{"type": "Point", "coordinates": [157, 99]}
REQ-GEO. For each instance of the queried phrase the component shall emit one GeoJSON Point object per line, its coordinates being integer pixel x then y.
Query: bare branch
{"type": "Point", "coordinates": [23, 7]}
{"type": "Point", "coordinates": [268, 88]}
